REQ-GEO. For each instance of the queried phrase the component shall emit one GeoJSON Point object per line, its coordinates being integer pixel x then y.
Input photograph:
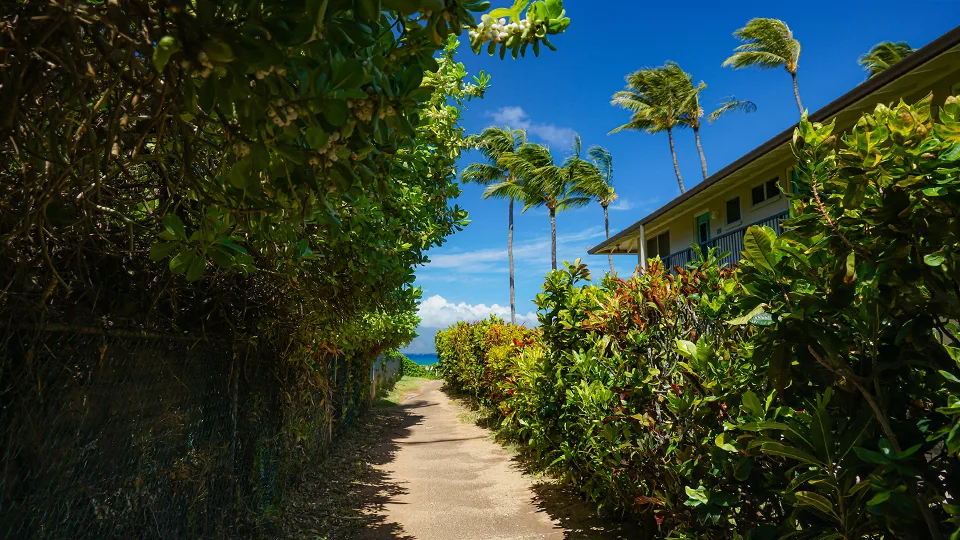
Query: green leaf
{"type": "Point", "coordinates": [816, 501]}
{"type": "Point", "coordinates": [752, 404]}
{"type": "Point", "coordinates": [778, 449]}
{"type": "Point", "coordinates": [949, 376]}
{"type": "Point", "coordinates": [165, 48]}
{"type": "Point", "coordinates": [726, 442]}
{"type": "Point", "coordinates": [762, 319]}
{"type": "Point", "coordinates": [697, 496]}
{"type": "Point", "coordinates": [335, 111]}
{"type": "Point", "coordinates": [767, 424]}
{"type": "Point", "coordinates": [742, 470]}
{"type": "Point", "coordinates": [934, 259]}
{"type": "Point", "coordinates": [871, 457]}
{"type": "Point", "coordinates": [879, 498]}
{"type": "Point", "coordinates": [181, 261]}
{"type": "Point", "coordinates": [687, 348]}
{"type": "Point", "coordinates": [316, 137]}
{"type": "Point", "coordinates": [161, 250]}
{"type": "Point", "coordinates": [758, 248]}
{"type": "Point", "coordinates": [196, 268]}
{"type": "Point", "coordinates": [173, 225]}
{"type": "Point", "coordinates": [744, 319]}
{"type": "Point", "coordinates": [781, 365]}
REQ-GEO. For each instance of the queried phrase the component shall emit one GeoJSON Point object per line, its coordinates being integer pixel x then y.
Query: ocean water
{"type": "Point", "coordinates": [427, 359]}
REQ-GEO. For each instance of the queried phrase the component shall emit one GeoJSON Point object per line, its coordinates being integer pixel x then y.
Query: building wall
{"type": "Point", "coordinates": [682, 225]}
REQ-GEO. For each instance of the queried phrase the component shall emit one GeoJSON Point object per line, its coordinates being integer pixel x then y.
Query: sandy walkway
{"type": "Point", "coordinates": [455, 483]}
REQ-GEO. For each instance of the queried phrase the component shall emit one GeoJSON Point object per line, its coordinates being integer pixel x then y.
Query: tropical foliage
{"type": "Point", "coordinates": [883, 55]}
{"type": "Point", "coordinates": [546, 184]}
{"type": "Point", "coordinates": [268, 173]}
{"type": "Point", "coordinates": [768, 44]}
{"type": "Point", "coordinates": [811, 393]}
{"type": "Point", "coordinates": [494, 144]}
{"type": "Point", "coordinates": [295, 156]}
{"type": "Point", "coordinates": [600, 186]}
{"type": "Point", "coordinates": [656, 103]}
{"type": "Point", "coordinates": [665, 98]}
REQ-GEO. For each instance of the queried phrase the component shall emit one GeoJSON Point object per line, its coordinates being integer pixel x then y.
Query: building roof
{"type": "Point", "coordinates": [873, 85]}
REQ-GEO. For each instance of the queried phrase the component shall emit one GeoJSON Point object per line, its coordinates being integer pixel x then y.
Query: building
{"type": "Point", "coordinates": [717, 211]}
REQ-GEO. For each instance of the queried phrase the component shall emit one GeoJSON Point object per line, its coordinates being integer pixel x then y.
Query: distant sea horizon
{"type": "Point", "coordinates": [424, 359]}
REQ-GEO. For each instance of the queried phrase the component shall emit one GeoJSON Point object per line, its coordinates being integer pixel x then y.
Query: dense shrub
{"type": "Point", "coordinates": [410, 368]}
{"type": "Point", "coordinates": [477, 358]}
{"type": "Point", "coordinates": [809, 394]}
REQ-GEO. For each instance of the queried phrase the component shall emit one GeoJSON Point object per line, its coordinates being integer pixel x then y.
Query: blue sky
{"type": "Point", "coordinates": [569, 91]}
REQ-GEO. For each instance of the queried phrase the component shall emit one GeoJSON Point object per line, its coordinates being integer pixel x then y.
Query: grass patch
{"type": "Point", "coordinates": [404, 387]}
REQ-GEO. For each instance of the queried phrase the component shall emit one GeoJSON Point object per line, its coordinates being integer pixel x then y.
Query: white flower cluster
{"type": "Point", "coordinates": [281, 113]}
{"type": "Point", "coordinates": [242, 149]}
{"type": "Point", "coordinates": [261, 73]}
{"type": "Point", "coordinates": [328, 152]}
{"type": "Point", "coordinates": [205, 69]}
{"type": "Point", "coordinates": [362, 108]}
{"type": "Point", "coordinates": [498, 31]}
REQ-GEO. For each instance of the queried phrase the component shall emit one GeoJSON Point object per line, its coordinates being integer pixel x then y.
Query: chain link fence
{"type": "Point", "coordinates": [113, 434]}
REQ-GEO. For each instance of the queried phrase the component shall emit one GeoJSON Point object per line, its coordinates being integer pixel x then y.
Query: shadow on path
{"type": "Point", "coordinates": [578, 518]}
{"type": "Point", "coordinates": [351, 493]}
{"type": "Point", "coordinates": [343, 496]}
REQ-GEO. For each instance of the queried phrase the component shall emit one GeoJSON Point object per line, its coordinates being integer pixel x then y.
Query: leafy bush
{"type": "Point", "coordinates": [864, 293]}
{"type": "Point", "coordinates": [413, 369]}
{"type": "Point", "coordinates": [477, 358]}
{"type": "Point", "coordinates": [809, 394]}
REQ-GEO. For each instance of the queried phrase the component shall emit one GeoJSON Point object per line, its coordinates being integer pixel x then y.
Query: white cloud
{"type": "Point", "coordinates": [437, 312]}
{"type": "Point", "coordinates": [569, 246]}
{"type": "Point", "coordinates": [517, 118]}
{"type": "Point", "coordinates": [622, 204]}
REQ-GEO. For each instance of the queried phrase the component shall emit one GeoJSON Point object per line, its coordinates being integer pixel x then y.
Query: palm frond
{"type": "Point", "coordinates": [483, 174]}
{"type": "Point", "coordinates": [732, 104]}
{"type": "Point", "coordinates": [883, 55]}
{"type": "Point", "coordinates": [757, 59]}
{"type": "Point", "coordinates": [768, 43]}
{"type": "Point", "coordinates": [577, 201]}
{"type": "Point", "coordinates": [603, 160]}
{"type": "Point", "coordinates": [505, 190]}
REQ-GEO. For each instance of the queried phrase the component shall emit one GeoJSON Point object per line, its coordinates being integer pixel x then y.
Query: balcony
{"type": "Point", "coordinates": [730, 242]}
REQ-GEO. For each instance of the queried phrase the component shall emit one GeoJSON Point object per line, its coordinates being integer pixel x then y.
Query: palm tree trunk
{"type": "Point", "coordinates": [796, 92]}
{"type": "Point", "coordinates": [606, 225]}
{"type": "Point", "coordinates": [513, 294]}
{"type": "Point", "coordinates": [553, 238]}
{"type": "Point", "coordinates": [703, 159]}
{"type": "Point", "coordinates": [676, 166]}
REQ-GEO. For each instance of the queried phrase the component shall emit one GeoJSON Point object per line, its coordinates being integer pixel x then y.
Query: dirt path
{"type": "Point", "coordinates": [418, 472]}
{"type": "Point", "coordinates": [457, 483]}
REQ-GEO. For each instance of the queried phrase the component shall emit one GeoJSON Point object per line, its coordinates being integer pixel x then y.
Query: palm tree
{"type": "Point", "coordinates": [494, 143]}
{"type": "Point", "coordinates": [653, 97]}
{"type": "Point", "coordinates": [728, 105]}
{"type": "Point", "coordinates": [546, 184]}
{"type": "Point", "coordinates": [682, 85]}
{"type": "Point", "coordinates": [883, 55]}
{"type": "Point", "coordinates": [768, 44]}
{"type": "Point", "coordinates": [602, 188]}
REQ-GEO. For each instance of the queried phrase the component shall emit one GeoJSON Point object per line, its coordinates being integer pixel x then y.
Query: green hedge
{"type": "Point", "coordinates": [811, 393]}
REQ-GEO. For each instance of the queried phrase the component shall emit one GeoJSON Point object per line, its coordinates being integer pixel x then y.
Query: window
{"type": "Point", "coordinates": [659, 246]}
{"type": "Point", "coordinates": [765, 191]}
{"type": "Point", "coordinates": [773, 190]}
{"type": "Point", "coordinates": [733, 210]}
